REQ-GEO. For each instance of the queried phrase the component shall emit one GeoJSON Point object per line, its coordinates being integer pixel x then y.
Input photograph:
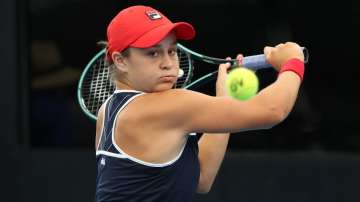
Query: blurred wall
{"type": "Point", "coordinates": [10, 112]}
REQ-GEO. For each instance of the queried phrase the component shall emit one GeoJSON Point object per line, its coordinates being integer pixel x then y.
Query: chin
{"type": "Point", "coordinates": [163, 87]}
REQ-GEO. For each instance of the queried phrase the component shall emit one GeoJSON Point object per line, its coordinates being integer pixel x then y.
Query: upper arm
{"type": "Point", "coordinates": [224, 114]}
{"type": "Point", "coordinates": [189, 111]}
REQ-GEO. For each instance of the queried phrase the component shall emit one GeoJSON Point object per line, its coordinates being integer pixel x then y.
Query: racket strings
{"type": "Point", "coordinates": [186, 66]}
{"type": "Point", "coordinates": [97, 86]}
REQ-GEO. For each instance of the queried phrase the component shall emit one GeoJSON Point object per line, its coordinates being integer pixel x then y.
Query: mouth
{"type": "Point", "coordinates": [168, 78]}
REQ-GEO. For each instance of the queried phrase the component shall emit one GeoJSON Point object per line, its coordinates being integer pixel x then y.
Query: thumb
{"type": "Point", "coordinates": [267, 51]}
{"type": "Point", "coordinates": [225, 66]}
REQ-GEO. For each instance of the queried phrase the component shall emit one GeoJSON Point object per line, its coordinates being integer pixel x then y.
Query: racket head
{"type": "Point", "coordinates": [94, 86]}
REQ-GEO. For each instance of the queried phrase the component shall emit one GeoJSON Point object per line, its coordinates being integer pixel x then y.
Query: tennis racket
{"type": "Point", "coordinates": [95, 85]}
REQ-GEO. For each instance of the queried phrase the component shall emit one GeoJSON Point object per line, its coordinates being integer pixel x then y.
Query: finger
{"type": "Point", "coordinates": [279, 45]}
{"type": "Point", "coordinates": [268, 49]}
{"type": "Point", "coordinates": [239, 59]}
{"type": "Point", "coordinates": [225, 66]}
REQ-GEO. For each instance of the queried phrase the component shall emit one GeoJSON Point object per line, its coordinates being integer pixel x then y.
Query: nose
{"type": "Point", "coordinates": [167, 62]}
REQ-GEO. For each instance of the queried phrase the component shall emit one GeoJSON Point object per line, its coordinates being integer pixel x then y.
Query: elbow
{"type": "Point", "coordinates": [204, 185]}
{"type": "Point", "coordinates": [203, 189]}
{"type": "Point", "coordinates": [275, 116]}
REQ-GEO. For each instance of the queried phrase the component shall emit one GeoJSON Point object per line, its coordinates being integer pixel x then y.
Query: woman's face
{"type": "Point", "coordinates": [153, 69]}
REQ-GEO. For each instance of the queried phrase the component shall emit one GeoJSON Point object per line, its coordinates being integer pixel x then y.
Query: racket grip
{"type": "Point", "coordinates": [256, 62]}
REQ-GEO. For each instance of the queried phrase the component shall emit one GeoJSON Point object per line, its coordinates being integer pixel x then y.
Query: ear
{"type": "Point", "coordinates": [120, 61]}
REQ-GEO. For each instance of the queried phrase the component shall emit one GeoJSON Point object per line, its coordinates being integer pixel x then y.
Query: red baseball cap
{"type": "Point", "coordinates": [143, 27]}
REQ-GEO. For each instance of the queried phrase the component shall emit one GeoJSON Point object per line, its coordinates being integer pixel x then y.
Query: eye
{"type": "Point", "coordinates": [153, 53]}
{"type": "Point", "coordinates": [173, 52]}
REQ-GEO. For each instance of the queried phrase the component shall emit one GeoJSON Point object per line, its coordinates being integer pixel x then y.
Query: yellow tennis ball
{"type": "Point", "coordinates": [242, 83]}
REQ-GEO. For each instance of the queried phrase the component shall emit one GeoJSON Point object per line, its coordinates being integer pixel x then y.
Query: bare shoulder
{"type": "Point", "coordinates": [168, 109]}
{"type": "Point", "coordinates": [174, 109]}
{"type": "Point", "coordinates": [178, 100]}
{"type": "Point", "coordinates": [175, 96]}
{"type": "Point", "coordinates": [164, 104]}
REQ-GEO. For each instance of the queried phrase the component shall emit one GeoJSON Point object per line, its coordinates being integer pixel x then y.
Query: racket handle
{"type": "Point", "coordinates": [256, 62]}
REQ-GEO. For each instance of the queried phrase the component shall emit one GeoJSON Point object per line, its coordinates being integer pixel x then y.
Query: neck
{"type": "Point", "coordinates": [122, 86]}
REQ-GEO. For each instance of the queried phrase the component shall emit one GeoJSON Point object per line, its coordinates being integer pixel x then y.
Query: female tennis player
{"type": "Point", "coordinates": [145, 143]}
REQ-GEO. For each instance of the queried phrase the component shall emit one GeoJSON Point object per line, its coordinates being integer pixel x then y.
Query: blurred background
{"type": "Point", "coordinates": [48, 143]}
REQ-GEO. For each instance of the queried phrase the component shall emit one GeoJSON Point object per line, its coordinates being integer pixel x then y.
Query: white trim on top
{"type": "Point", "coordinates": [127, 91]}
{"type": "Point", "coordinates": [136, 159]}
{"type": "Point", "coordinates": [106, 153]}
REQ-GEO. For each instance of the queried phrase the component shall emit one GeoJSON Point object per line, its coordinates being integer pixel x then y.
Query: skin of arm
{"type": "Point", "coordinates": [268, 108]}
{"type": "Point", "coordinates": [212, 147]}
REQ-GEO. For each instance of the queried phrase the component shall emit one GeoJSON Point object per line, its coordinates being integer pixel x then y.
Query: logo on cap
{"type": "Point", "coordinates": [153, 15]}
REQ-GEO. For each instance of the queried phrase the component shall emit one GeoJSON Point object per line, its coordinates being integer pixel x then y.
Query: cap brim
{"type": "Point", "coordinates": [183, 31]}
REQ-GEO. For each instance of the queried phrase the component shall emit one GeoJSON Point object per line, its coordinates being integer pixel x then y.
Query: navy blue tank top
{"type": "Point", "coordinates": [121, 177]}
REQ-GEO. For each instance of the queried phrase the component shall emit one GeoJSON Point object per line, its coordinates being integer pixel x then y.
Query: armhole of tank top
{"type": "Point", "coordinates": [136, 160]}
{"type": "Point", "coordinates": [102, 124]}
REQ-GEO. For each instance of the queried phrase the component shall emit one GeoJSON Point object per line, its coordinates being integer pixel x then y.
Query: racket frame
{"type": "Point", "coordinates": [80, 84]}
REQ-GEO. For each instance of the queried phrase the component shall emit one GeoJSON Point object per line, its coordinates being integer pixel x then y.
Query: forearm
{"type": "Point", "coordinates": [212, 148]}
{"type": "Point", "coordinates": [282, 94]}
